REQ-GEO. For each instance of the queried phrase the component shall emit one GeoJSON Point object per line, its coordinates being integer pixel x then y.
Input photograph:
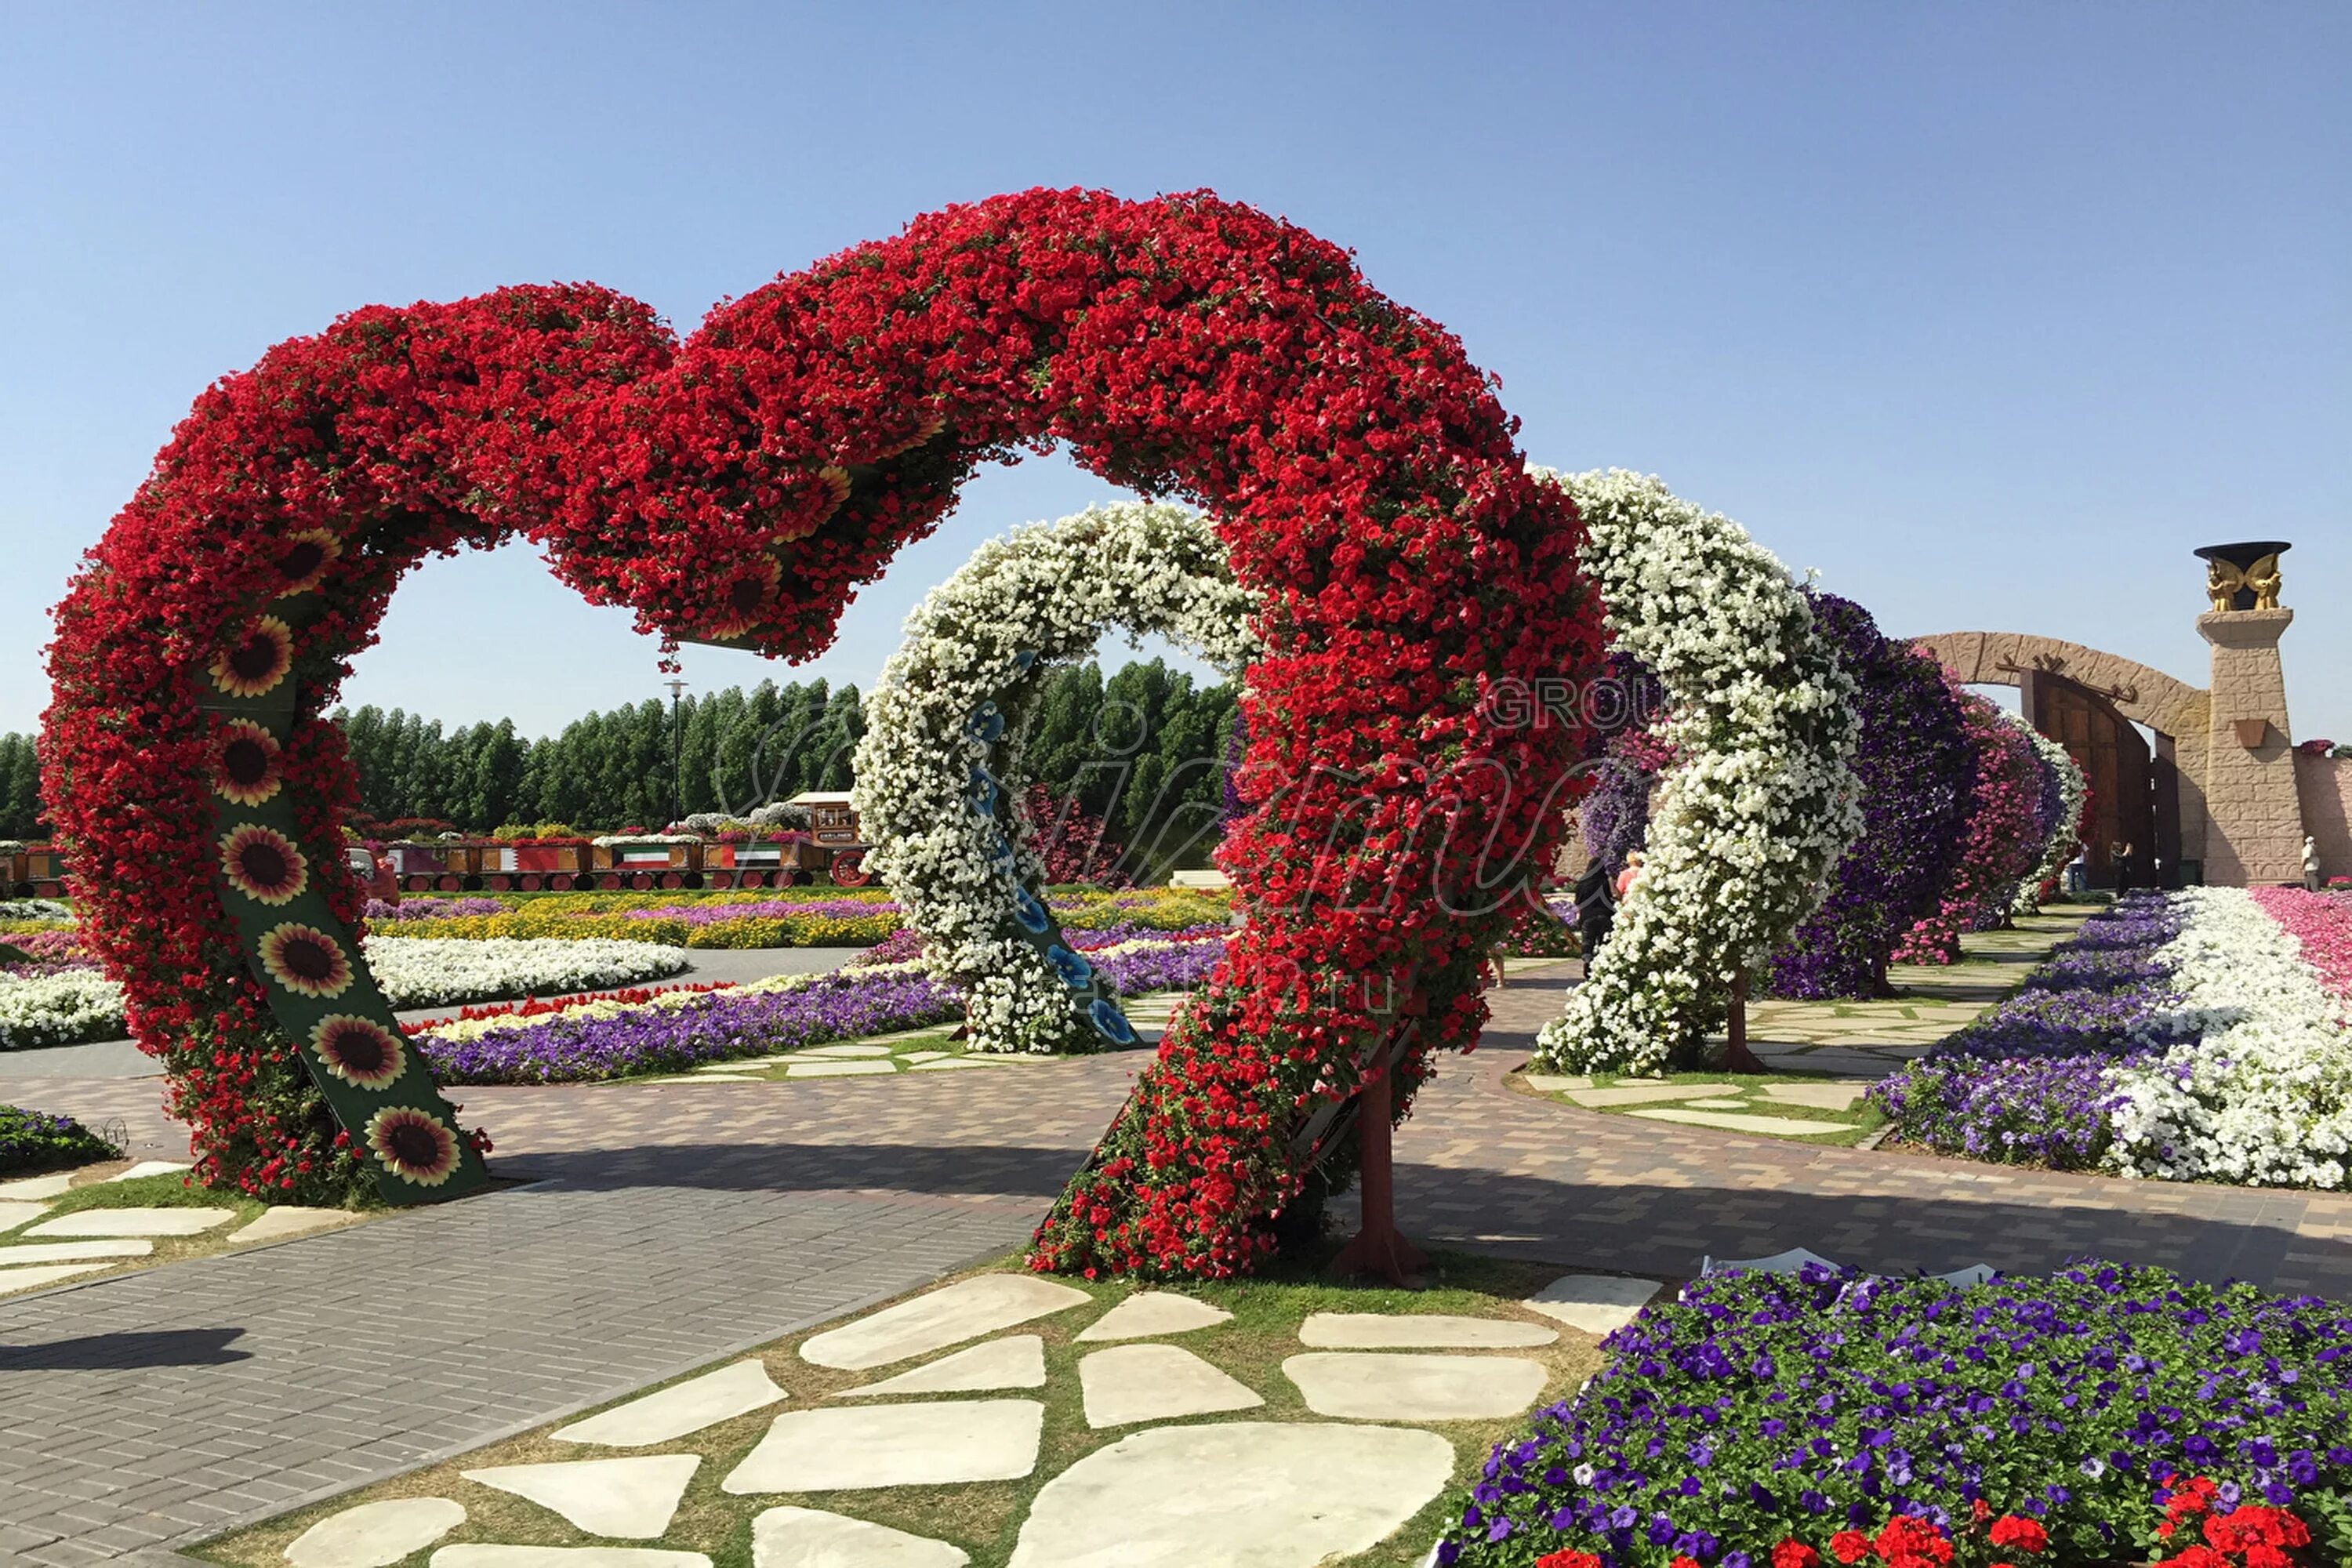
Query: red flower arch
{"type": "Point", "coordinates": [737, 485]}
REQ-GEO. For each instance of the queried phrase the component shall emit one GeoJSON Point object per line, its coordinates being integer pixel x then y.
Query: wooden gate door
{"type": "Point", "coordinates": [2113, 756]}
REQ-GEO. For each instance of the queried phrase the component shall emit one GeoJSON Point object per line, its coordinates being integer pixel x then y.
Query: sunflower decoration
{"type": "Point", "coordinates": [360, 1052]}
{"type": "Point", "coordinates": [834, 479]}
{"type": "Point", "coordinates": [246, 762]}
{"type": "Point", "coordinates": [412, 1145]}
{"type": "Point", "coordinates": [749, 598]}
{"type": "Point", "coordinates": [305, 960]}
{"type": "Point", "coordinates": [257, 664]}
{"type": "Point", "coordinates": [263, 863]}
{"type": "Point", "coordinates": [303, 560]}
{"type": "Point", "coordinates": [933, 423]}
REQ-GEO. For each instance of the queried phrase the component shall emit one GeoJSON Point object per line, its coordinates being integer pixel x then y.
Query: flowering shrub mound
{"type": "Point", "coordinates": [2002, 840]}
{"type": "Point", "coordinates": [1914, 764]}
{"type": "Point", "coordinates": [31, 1140]}
{"type": "Point", "coordinates": [1758, 802]}
{"type": "Point", "coordinates": [940, 768]}
{"type": "Point", "coordinates": [738, 487]}
{"type": "Point", "coordinates": [1787, 1420]}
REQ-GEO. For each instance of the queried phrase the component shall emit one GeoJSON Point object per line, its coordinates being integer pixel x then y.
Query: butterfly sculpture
{"type": "Point", "coordinates": [2225, 582]}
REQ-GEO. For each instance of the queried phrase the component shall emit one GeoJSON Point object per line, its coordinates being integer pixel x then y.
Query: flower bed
{"type": "Point", "coordinates": [676, 1031]}
{"type": "Point", "coordinates": [1758, 1420]}
{"type": "Point", "coordinates": [2028, 1081]}
{"type": "Point", "coordinates": [827, 918]}
{"type": "Point", "coordinates": [64, 1008]}
{"type": "Point", "coordinates": [33, 1139]}
{"type": "Point", "coordinates": [81, 1004]}
{"type": "Point", "coordinates": [2185, 1035]}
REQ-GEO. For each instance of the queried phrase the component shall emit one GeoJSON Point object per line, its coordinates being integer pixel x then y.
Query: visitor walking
{"type": "Point", "coordinates": [2078, 870]}
{"type": "Point", "coordinates": [2312, 880]}
{"type": "Point", "coordinates": [2121, 853]}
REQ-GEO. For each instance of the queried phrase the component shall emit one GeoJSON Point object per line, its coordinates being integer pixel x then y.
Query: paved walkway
{"type": "Point", "coordinates": [678, 1222]}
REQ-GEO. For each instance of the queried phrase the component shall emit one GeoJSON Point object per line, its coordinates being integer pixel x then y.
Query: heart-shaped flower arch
{"type": "Point", "coordinates": [736, 486]}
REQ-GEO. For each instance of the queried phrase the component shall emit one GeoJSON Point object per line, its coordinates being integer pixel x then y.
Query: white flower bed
{"type": "Point", "coordinates": [58, 1009]}
{"type": "Point", "coordinates": [944, 727]}
{"type": "Point", "coordinates": [2065, 835]}
{"type": "Point", "coordinates": [2256, 1089]}
{"type": "Point", "coordinates": [35, 909]}
{"type": "Point", "coordinates": [414, 971]}
{"type": "Point", "coordinates": [433, 972]}
{"type": "Point", "coordinates": [1761, 800]}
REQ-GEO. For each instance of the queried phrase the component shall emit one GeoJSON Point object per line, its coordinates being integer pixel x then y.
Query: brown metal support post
{"type": "Point", "coordinates": [1737, 1057]}
{"type": "Point", "coordinates": [1377, 1250]}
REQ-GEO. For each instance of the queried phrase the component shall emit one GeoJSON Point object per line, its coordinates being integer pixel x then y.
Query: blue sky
{"type": "Point", "coordinates": [1991, 312]}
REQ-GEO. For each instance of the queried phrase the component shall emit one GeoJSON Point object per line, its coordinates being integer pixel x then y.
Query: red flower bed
{"type": "Point", "coordinates": [740, 485]}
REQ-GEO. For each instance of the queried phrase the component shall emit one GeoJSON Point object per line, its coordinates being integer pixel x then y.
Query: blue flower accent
{"type": "Point", "coordinates": [1076, 972]}
{"type": "Point", "coordinates": [1110, 1023]}
{"type": "Point", "coordinates": [980, 796]}
{"type": "Point", "coordinates": [986, 723]}
{"type": "Point", "coordinates": [1029, 912]}
{"type": "Point", "coordinates": [1000, 852]}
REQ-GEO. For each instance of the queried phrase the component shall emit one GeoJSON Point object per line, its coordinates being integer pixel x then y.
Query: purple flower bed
{"type": "Point", "coordinates": [1917, 767]}
{"type": "Point", "coordinates": [379, 910]}
{"type": "Point", "coordinates": [720, 1026]}
{"type": "Point", "coordinates": [2028, 1081]}
{"type": "Point", "coordinates": [1180, 968]}
{"type": "Point", "coordinates": [1763, 1408]}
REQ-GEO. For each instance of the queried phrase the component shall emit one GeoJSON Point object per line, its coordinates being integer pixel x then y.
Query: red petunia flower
{"type": "Point", "coordinates": [360, 1052]}
{"type": "Point", "coordinates": [412, 1145]}
{"type": "Point", "coordinates": [263, 864]}
{"type": "Point", "coordinates": [305, 961]}
{"type": "Point", "coordinates": [1849, 1546]}
{"type": "Point", "coordinates": [245, 766]}
{"type": "Point", "coordinates": [256, 663]}
{"type": "Point", "coordinates": [1795, 1554]}
{"type": "Point", "coordinates": [1568, 1560]}
{"type": "Point", "coordinates": [302, 562]}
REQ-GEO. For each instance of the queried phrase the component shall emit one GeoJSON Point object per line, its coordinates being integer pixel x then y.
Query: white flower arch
{"type": "Point", "coordinates": [1761, 800]}
{"type": "Point", "coordinates": [940, 771]}
{"type": "Point", "coordinates": [2066, 832]}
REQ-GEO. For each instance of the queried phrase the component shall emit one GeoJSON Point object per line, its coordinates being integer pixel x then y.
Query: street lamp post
{"type": "Point", "coordinates": [676, 753]}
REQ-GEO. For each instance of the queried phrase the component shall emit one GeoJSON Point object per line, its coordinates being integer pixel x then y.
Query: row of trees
{"type": "Point", "coordinates": [1141, 750]}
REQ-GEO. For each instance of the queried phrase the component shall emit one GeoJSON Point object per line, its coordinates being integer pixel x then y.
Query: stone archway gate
{"type": "Point", "coordinates": [2223, 754]}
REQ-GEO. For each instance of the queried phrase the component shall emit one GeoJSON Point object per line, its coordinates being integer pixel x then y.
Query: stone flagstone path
{"type": "Point", "coordinates": [1268, 1494]}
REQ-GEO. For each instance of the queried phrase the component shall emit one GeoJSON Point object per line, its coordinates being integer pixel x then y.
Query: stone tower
{"type": "Point", "coordinates": [2255, 822]}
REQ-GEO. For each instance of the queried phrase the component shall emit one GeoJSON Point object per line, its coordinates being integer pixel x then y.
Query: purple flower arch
{"type": "Point", "coordinates": [1916, 764]}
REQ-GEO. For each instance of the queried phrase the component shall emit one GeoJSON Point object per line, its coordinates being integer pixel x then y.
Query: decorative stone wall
{"type": "Point", "coordinates": [2324, 786]}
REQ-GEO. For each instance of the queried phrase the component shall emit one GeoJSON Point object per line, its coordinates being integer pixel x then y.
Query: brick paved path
{"type": "Point", "coordinates": [679, 1222]}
